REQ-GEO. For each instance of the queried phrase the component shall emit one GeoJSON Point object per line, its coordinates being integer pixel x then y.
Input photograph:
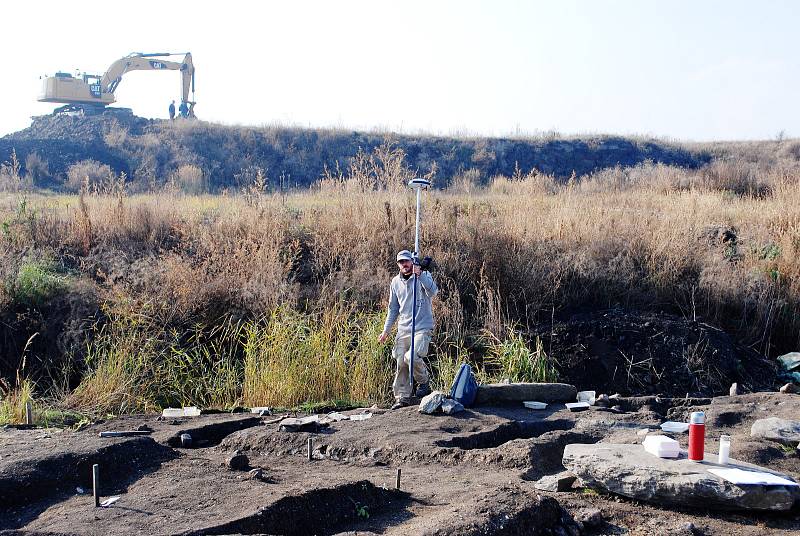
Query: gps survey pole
{"type": "Point", "coordinates": [418, 185]}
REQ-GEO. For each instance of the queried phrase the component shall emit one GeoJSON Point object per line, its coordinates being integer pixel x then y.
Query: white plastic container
{"type": "Point", "coordinates": [577, 406]}
{"type": "Point", "coordinates": [590, 397]}
{"type": "Point", "coordinates": [191, 411]}
{"type": "Point", "coordinates": [534, 405]}
{"type": "Point", "coordinates": [675, 427]}
{"type": "Point", "coordinates": [661, 446]}
{"type": "Point", "coordinates": [724, 449]}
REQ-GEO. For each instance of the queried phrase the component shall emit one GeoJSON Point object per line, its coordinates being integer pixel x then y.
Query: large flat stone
{"type": "Point", "coordinates": [630, 471]}
{"type": "Point", "coordinates": [774, 429]}
{"type": "Point", "coordinates": [520, 392]}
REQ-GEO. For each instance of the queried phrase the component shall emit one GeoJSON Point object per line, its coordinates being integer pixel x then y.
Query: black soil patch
{"type": "Point", "coordinates": [617, 351]}
{"type": "Point", "coordinates": [320, 511]}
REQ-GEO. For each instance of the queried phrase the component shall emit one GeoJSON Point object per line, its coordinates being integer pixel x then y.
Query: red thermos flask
{"type": "Point", "coordinates": [697, 436]}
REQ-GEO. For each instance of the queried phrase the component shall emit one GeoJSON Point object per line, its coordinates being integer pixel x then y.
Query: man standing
{"type": "Point", "coordinates": [401, 298]}
{"type": "Point", "coordinates": [172, 111]}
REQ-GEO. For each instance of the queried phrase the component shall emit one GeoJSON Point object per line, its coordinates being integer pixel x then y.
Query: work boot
{"type": "Point", "coordinates": [423, 389]}
{"type": "Point", "coordinates": [401, 403]}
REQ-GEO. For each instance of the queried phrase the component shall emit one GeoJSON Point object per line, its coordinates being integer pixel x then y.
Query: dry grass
{"type": "Point", "coordinates": [13, 400]}
{"type": "Point", "coordinates": [302, 276]}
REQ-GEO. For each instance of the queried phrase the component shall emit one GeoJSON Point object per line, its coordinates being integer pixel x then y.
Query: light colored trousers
{"type": "Point", "coordinates": [402, 355]}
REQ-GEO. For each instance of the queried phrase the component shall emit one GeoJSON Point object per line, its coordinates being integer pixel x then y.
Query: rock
{"type": "Point", "coordinates": [311, 423]}
{"type": "Point", "coordinates": [186, 440]}
{"type": "Point", "coordinates": [520, 392]}
{"type": "Point", "coordinates": [790, 389]}
{"type": "Point", "coordinates": [630, 471]}
{"type": "Point", "coordinates": [431, 403]}
{"type": "Point", "coordinates": [237, 461]}
{"type": "Point", "coordinates": [450, 406]}
{"type": "Point", "coordinates": [590, 517]}
{"type": "Point", "coordinates": [256, 474]}
{"type": "Point", "coordinates": [774, 429]}
{"type": "Point", "coordinates": [559, 482]}
{"type": "Point", "coordinates": [602, 401]}
{"type": "Point", "coordinates": [735, 389]}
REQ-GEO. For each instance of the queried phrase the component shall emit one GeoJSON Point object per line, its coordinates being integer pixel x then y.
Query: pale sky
{"type": "Point", "coordinates": [683, 69]}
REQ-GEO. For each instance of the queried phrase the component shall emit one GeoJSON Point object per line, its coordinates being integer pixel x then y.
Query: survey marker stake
{"type": "Point", "coordinates": [96, 484]}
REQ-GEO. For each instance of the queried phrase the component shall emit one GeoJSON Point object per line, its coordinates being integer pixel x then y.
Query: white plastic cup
{"type": "Point", "coordinates": [724, 449]}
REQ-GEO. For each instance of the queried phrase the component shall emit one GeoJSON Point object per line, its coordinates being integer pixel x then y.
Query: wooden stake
{"type": "Point", "coordinates": [397, 480]}
{"type": "Point", "coordinates": [96, 484]}
{"type": "Point", "coordinates": [28, 413]}
{"type": "Point", "coordinates": [310, 448]}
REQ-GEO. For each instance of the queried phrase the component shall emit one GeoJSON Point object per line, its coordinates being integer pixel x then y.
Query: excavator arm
{"type": "Point", "coordinates": [150, 62]}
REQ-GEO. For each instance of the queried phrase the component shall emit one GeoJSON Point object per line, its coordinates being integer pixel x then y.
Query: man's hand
{"type": "Point", "coordinates": [382, 337]}
{"type": "Point", "coordinates": [417, 269]}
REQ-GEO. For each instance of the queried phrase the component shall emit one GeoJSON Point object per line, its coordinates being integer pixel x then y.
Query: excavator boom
{"type": "Point", "coordinates": [92, 93]}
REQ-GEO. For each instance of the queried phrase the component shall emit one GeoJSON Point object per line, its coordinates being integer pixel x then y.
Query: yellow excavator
{"type": "Point", "coordinates": [90, 94]}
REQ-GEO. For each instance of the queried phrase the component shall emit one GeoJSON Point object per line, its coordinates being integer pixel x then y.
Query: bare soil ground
{"type": "Point", "coordinates": [470, 473]}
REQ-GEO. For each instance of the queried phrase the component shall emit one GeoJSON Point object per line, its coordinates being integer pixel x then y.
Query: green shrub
{"type": "Point", "coordinates": [512, 360]}
{"type": "Point", "coordinates": [36, 282]}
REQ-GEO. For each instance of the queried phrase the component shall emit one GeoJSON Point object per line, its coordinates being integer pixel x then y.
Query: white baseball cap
{"type": "Point", "coordinates": [404, 255]}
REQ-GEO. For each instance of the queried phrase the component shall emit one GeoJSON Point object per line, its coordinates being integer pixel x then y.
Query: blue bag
{"type": "Point", "coordinates": [465, 388]}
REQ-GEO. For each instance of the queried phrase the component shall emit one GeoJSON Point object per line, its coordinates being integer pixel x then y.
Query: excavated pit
{"type": "Point", "coordinates": [318, 511]}
{"type": "Point", "coordinates": [49, 476]}
{"type": "Point", "coordinates": [210, 435]}
{"type": "Point", "coordinates": [33, 478]}
{"type": "Point", "coordinates": [469, 473]}
{"type": "Point", "coordinates": [504, 433]}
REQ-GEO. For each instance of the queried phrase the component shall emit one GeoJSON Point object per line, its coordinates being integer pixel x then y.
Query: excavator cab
{"type": "Point", "coordinates": [93, 81]}
{"type": "Point", "coordinates": [83, 93]}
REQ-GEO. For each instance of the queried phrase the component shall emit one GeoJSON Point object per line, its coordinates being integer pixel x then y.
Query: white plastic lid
{"type": "Point", "coordinates": [698, 417]}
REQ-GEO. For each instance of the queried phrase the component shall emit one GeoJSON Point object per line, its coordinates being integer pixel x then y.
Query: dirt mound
{"type": "Point", "coordinates": [79, 128]}
{"type": "Point", "coordinates": [130, 143]}
{"type": "Point", "coordinates": [63, 140]}
{"type": "Point", "coordinates": [653, 353]}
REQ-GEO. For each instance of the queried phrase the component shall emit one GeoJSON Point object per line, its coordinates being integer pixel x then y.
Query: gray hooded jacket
{"type": "Point", "coordinates": [401, 297]}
